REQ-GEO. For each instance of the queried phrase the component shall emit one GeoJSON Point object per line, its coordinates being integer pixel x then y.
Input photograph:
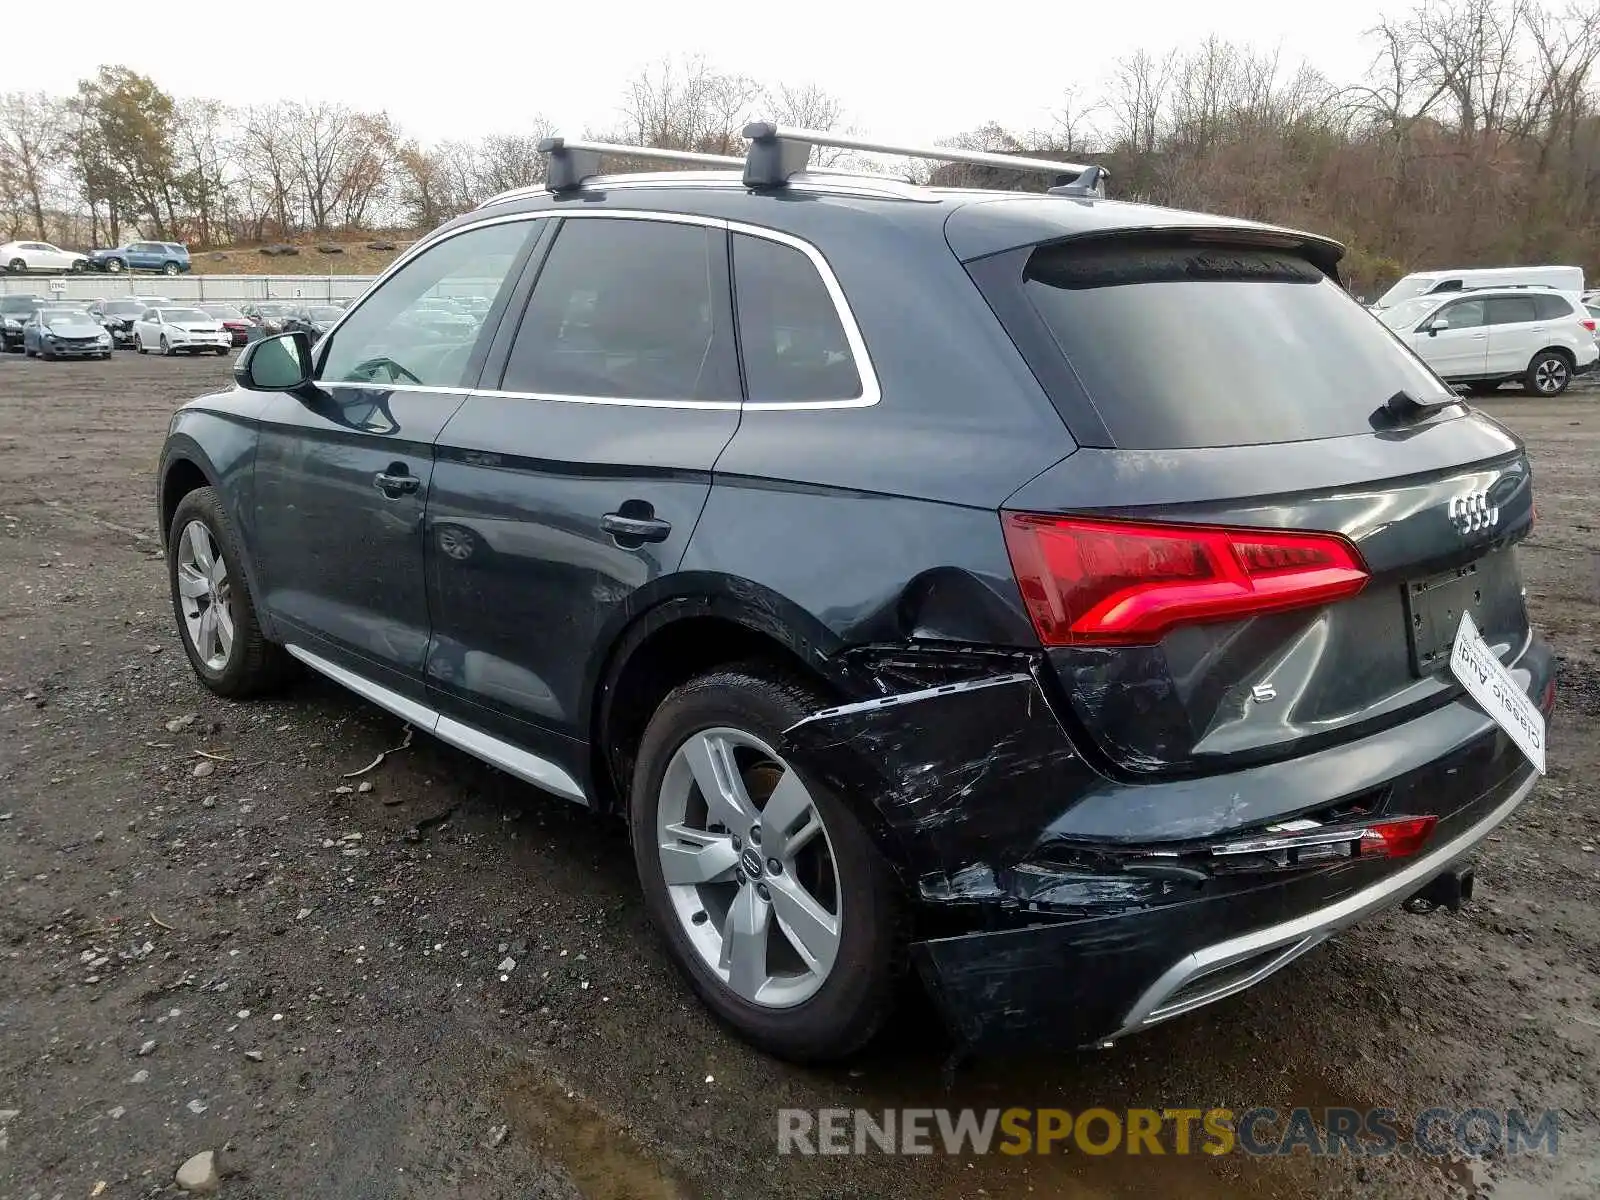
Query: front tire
{"type": "Point", "coordinates": [115, 265]}
{"type": "Point", "coordinates": [17, 266]}
{"type": "Point", "coordinates": [138, 344]}
{"type": "Point", "coordinates": [166, 347]}
{"type": "Point", "coordinates": [1549, 374]}
{"type": "Point", "coordinates": [211, 599]}
{"type": "Point", "coordinates": [772, 899]}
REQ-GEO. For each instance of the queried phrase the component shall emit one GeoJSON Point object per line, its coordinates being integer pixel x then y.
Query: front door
{"type": "Point", "coordinates": [571, 484]}
{"type": "Point", "coordinates": [1457, 347]}
{"type": "Point", "coordinates": [342, 472]}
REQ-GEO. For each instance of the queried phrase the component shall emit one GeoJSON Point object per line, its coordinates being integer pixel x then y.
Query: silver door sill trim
{"type": "Point", "coordinates": [1293, 938]}
{"type": "Point", "coordinates": [497, 753]}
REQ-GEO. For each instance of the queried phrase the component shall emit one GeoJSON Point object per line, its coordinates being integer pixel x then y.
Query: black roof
{"type": "Point", "coordinates": [975, 222]}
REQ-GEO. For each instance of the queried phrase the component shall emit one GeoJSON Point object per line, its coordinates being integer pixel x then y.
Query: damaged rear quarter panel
{"type": "Point", "coordinates": [962, 776]}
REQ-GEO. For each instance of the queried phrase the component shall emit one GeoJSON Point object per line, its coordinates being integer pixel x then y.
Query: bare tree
{"type": "Point", "coordinates": [32, 129]}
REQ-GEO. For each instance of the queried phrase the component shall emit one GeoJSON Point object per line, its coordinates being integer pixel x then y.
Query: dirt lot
{"type": "Point", "coordinates": [258, 961]}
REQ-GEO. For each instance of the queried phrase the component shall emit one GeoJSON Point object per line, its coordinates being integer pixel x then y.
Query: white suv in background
{"type": "Point", "coordinates": [1484, 338]}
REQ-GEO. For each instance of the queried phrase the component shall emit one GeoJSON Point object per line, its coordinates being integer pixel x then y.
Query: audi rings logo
{"type": "Point", "coordinates": [1472, 513]}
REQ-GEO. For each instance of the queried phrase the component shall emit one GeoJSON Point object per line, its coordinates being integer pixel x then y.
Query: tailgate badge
{"type": "Point", "coordinates": [1472, 513]}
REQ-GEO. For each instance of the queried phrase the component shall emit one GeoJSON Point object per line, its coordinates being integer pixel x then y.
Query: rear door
{"type": "Point", "coordinates": [342, 471]}
{"type": "Point", "coordinates": [569, 486]}
{"type": "Point", "coordinates": [1455, 341]}
{"type": "Point", "coordinates": [1516, 333]}
{"type": "Point", "coordinates": [1252, 555]}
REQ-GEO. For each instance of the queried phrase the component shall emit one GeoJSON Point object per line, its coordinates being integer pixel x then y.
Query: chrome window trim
{"type": "Point", "coordinates": [871, 391]}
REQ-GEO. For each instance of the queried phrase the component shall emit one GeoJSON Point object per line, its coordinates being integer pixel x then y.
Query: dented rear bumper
{"type": "Point", "coordinates": [1059, 905]}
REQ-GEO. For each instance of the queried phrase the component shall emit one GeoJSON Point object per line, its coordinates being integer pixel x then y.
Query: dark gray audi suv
{"type": "Point", "coordinates": [1082, 606]}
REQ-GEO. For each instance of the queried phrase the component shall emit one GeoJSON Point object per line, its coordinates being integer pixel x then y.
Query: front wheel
{"type": "Point", "coordinates": [1548, 374]}
{"type": "Point", "coordinates": [17, 267]}
{"type": "Point", "coordinates": [211, 600]}
{"type": "Point", "coordinates": [166, 346]}
{"type": "Point", "coordinates": [770, 895]}
{"type": "Point", "coordinates": [114, 265]}
{"type": "Point", "coordinates": [138, 344]}
{"type": "Point", "coordinates": [79, 267]}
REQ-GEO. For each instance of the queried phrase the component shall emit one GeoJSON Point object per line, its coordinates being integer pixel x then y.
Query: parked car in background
{"type": "Point", "coordinates": [1146, 693]}
{"type": "Point", "coordinates": [268, 317]}
{"type": "Point", "coordinates": [14, 313]}
{"type": "Point", "coordinates": [1486, 338]}
{"type": "Point", "coordinates": [315, 320]}
{"type": "Point", "coordinates": [170, 258]}
{"type": "Point", "coordinates": [179, 331]}
{"type": "Point", "coordinates": [64, 331]}
{"type": "Point", "coordinates": [118, 315]}
{"type": "Point", "coordinates": [18, 258]}
{"type": "Point", "coordinates": [230, 318]}
{"type": "Point", "coordinates": [1461, 279]}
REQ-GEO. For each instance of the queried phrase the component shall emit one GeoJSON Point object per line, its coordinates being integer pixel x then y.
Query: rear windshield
{"type": "Point", "coordinates": [1185, 345]}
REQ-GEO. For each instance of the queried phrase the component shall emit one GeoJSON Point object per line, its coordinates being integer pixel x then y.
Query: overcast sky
{"type": "Point", "coordinates": [464, 69]}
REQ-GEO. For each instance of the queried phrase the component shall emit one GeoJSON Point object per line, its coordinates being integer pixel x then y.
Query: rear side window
{"type": "Point", "coordinates": [628, 309]}
{"type": "Point", "coordinates": [793, 342]}
{"type": "Point", "coordinates": [1179, 344]}
{"type": "Point", "coordinates": [1512, 310]}
{"type": "Point", "coordinates": [1551, 308]}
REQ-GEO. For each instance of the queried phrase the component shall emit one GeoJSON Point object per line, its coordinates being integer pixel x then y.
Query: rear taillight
{"type": "Point", "coordinates": [1398, 837]}
{"type": "Point", "coordinates": [1093, 581]}
{"type": "Point", "coordinates": [1588, 323]}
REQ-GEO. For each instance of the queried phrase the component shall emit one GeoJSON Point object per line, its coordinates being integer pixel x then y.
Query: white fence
{"type": "Point", "coordinates": [222, 289]}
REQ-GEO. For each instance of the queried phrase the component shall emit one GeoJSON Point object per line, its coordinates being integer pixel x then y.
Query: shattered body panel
{"type": "Point", "coordinates": [1052, 896]}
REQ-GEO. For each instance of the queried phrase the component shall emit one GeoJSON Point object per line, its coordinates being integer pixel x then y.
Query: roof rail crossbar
{"type": "Point", "coordinates": [572, 162]}
{"type": "Point", "coordinates": [778, 152]}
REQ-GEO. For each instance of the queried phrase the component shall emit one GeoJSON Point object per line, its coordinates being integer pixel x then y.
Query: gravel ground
{"type": "Point", "coordinates": [213, 939]}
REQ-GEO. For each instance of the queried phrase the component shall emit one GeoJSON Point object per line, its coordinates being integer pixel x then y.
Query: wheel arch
{"type": "Point", "coordinates": [711, 622]}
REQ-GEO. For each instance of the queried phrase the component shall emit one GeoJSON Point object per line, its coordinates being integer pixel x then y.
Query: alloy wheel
{"type": "Point", "coordinates": [1550, 376]}
{"type": "Point", "coordinates": [205, 595]}
{"type": "Point", "coordinates": [749, 867]}
{"type": "Point", "coordinates": [114, 265]}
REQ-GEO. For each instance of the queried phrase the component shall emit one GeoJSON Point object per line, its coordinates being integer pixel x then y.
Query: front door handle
{"type": "Point", "coordinates": [638, 529]}
{"type": "Point", "coordinates": [395, 485]}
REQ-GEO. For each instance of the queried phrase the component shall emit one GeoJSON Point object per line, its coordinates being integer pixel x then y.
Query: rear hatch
{"type": "Point", "coordinates": [1277, 515]}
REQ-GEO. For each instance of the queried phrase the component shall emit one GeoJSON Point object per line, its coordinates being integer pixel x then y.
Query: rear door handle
{"type": "Point", "coordinates": [395, 486]}
{"type": "Point", "coordinates": [640, 529]}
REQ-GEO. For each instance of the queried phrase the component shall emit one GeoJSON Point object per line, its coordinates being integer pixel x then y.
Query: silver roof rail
{"type": "Point", "coordinates": [778, 152]}
{"type": "Point", "coordinates": [572, 162]}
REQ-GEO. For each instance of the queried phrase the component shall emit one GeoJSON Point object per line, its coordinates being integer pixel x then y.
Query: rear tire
{"type": "Point", "coordinates": [787, 1004]}
{"type": "Point", "coordinates": [240, 662]}
{"type": "Point", "coordinates": [1549, 374]}
{"type": "Point", "coordinates": [170, 268]}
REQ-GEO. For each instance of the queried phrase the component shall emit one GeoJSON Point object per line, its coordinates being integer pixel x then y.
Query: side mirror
{"type": "Point", "coordinates": [1438, 323]}
{"type": "Point", "coordinates": [275, 364]}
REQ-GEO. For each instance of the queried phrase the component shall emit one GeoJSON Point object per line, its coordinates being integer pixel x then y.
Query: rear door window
{"type": "Point", "coordinates": [629, 309]}
{"type": "Point", "coordinates": [793, 341]}
{"type": "Point", "coordinates": [1511, 310]}
{"type": "Point", "coordinates": [1181, 344]}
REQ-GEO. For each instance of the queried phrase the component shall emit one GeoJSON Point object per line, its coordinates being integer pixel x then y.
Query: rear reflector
{"type": "Point", "coordinates": [1398, 838]}
{"type": "Point", "coordinates": [1098, 582]}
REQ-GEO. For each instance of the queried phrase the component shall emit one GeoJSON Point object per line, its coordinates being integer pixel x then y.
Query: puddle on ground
{"type": "Point", "coordinates": [604, 1162]}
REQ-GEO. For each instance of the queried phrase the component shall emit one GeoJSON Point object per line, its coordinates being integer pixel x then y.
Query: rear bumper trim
{"type": "Point", "coordinates": [1244, 961]}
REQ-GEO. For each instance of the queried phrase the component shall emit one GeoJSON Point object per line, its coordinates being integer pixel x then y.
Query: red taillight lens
{"type": "Point", "coordinates": [1399, 838]}
{"type": "Point", "coordinates": [1087, 581]}
{"type": "Point", "coordinates": [1588, 323]}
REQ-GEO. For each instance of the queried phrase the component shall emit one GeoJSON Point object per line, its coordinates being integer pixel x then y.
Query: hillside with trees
{"type": "Point", "coordinates": [1473, 139]}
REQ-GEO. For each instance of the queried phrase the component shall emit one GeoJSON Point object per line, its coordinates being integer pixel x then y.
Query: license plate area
{"type": "Point", "coordinates": [1433, 614]}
